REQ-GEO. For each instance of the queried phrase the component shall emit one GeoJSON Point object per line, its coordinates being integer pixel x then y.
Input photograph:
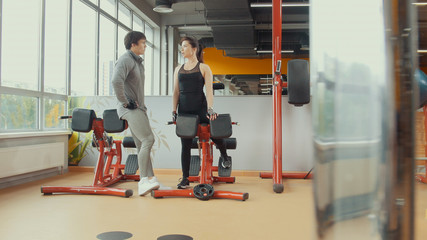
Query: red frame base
{"type": "Point", "coordinates": [106, 173]}
{"type": "Point", "coordinates": [421, 178]}
{"type": "Point", "coordinates": [189, 193]}
{"type": "Point", "coordinates": [287, 175]}
{"type": "Point", "coordinates": [205, 176]}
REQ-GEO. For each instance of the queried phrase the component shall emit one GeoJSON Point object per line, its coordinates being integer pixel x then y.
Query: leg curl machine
{"type": "Point", "coordinates": [188, 126]}
{"type": "Point", "coordinates": [106, 172]}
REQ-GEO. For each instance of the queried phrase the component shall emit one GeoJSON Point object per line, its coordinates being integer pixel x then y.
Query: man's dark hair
{"type": "Point", "coordinates": [133, 37]}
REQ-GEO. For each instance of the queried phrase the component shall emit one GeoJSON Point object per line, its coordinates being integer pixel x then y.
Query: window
{"type": "Point", "coordinates": [108, 6]}
{"type": "Point", "coordinates": [52, 110]}
{"type": "Point", "coordinates": [106, 56]}
{"type": "Point", "coordinates": [14, 116]}
{"type": "Point", "coordinates": [46, 58]}
{"type": "Point", "coordinates": [149, 33]}
{"type": "Point", "coordinates": [124, 15]}
{"type": "Point", "coordinates": [83, 47]}
{"type": "Point", "coordinates": [55, 55]}
{"type": "Point", "coordinates": [138, 24]}
{"type": "Point", "coordinates": [148, 66]}
{"type": "Point", "coordinates": [95, 1]}
{"type": "Point", "coordinates": [20, 44]}
{"type": "Point", "coordinates": [121, 46]}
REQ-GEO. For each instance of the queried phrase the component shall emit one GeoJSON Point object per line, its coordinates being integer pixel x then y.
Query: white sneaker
{"type": "Point", "coordinates": [162, 187]}
{"type": "Point", "coordinates": [145, 186]}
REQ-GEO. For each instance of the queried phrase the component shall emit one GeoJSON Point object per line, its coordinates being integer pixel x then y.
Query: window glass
{"type": "Point", "coordinates": [106, 56]}
{"type": "Point", "coordinates": [124, 15]}
{"type": "Point", "coordinates": [52, 110]}
{"type": "Point", "coordinates": [55, 58]}
{"type": "Point", "coordinates": [18, 112]}
{"type": "Point", "coordinates": [148, 66]}
{"type": "Point", "coordinates": [20, 44]}
{"type": "Point", "coordinates": [121, 46]}
{"type": "Point", "coordinates": [149, 33]}
{"type": "Point", "coordinates": [95, 2]}
{"type": "Point", "coordinates": [83, 47]}
{"type": "Point", "coordinates": [109, 6]}
{"type": "Point", "coordinates": [138, 24]}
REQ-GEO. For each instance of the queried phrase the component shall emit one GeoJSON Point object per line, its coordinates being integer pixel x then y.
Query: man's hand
{"type": "Point", "coordinates": [131, 105]}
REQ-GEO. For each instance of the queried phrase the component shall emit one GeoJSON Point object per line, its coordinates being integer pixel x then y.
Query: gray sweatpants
{"type": "Point", "coordinates": [143, 137]}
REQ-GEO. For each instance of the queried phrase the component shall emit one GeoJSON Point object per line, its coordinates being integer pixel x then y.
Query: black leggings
{"type": "Point", "coordinates": [187, 142]}
{"type": "Point", "coordinates": [186, 153]}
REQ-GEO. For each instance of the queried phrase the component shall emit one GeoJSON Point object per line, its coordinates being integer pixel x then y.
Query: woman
{"type": "Point", "coordinates": [189, 98]}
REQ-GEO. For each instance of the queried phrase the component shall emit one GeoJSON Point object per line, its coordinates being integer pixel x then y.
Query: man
{"type": "Point", "coordinates": [128, 82]}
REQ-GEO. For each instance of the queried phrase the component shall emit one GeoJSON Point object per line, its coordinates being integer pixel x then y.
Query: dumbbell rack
{"type": "Point", "coordinates": [206, 178]}
{"type": "Point", "coordinates": [106, 172]}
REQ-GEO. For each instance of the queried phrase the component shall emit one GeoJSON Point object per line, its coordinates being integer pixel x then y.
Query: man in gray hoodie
{"type": "Point", "coordinates": [128, 82]}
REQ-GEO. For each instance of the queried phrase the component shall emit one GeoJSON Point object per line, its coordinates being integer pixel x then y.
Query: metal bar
{"type": "Point", "coordinates": [277, 97]}
{"type": "Point", "coordinates": [288, 4]}
{"type": "Point", "coordinates": [289, 175]}
{"type": "Point", "coordinates": [88, 190]}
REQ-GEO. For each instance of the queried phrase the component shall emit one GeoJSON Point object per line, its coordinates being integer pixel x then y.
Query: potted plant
{"type": "Point", "coordinates": [76, 148]}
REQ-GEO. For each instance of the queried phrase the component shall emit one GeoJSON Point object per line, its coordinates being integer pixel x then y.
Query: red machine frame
{"type": "Point", "coordinates": [419, 177]}
{"type": "Point", "coordinates": [106, 173]}
{"type": "Point", "coordinates": [278, 84]}
{"type": "Point", "coordinates": [206, 173]}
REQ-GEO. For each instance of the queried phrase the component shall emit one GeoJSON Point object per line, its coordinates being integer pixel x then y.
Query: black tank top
{"type": "Point", "coordinates": [192, 99]}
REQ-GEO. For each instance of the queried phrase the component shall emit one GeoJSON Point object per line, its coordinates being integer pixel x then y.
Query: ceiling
{"type": "Point", "coordinates": [243, 30]}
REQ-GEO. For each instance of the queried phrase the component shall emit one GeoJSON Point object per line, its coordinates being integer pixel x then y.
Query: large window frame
{"type": "Point", "coordinates": [43, 96]}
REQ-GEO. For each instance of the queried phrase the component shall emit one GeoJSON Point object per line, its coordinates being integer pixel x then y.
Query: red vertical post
{"type": "Point", "coordinates": [425, 135]}
{"type": "Point", "coordinates": [277, 96]}
{"type": "Point", "coordinates": [420, 177]}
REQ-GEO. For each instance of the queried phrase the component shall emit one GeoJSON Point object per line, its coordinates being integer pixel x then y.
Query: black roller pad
{"type": "Point", "coordinates": [112, 122]}
{"type": "Point", "coordinates": [186, 125]}
{"type": "Point", "coordinates": [221, 126]}
{"type": "Point", "coordinates": [82, 119]}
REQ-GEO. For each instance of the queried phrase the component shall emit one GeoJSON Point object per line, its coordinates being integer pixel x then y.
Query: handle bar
{"type": "Point", "coordinates": [65, 117]}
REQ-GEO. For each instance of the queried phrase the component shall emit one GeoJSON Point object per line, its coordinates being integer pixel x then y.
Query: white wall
{"type": "Point", "coordinates": [34, 160]}
{"type": "Point", "coordinates": [254, 135]}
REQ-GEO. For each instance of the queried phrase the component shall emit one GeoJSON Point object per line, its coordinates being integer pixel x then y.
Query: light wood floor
{"type": "Point", "coordinates": [27, 214]}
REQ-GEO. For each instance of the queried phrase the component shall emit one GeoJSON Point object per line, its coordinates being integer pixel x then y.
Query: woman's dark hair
{"type": "Point", "coordinates": [133, 37]}
{"type": "Point", "coordinates": [195, 44]}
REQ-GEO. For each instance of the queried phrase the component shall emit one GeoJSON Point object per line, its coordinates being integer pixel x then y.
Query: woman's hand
{"type": "Point", "coordinates": [174, 115]}
{"type": "Point", "coordinates": [211, 114]}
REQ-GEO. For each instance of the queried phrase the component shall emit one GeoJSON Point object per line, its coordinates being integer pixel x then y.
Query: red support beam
{"type": "Point", "coordinates": [277, 96]}
{"type": "Point", "coordinates": [420, 177]}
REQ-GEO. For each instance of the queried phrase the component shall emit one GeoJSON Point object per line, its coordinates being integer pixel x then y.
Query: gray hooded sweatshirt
{"type": "Point", "coordinates": [128, 81]}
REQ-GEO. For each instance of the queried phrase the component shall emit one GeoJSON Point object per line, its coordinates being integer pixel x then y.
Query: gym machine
{"type": "Point", "coordinates": [188, 126]}
{"type": "Point", "coordinates": [107, 172]}
{"type": "Point", "coordinates": [298, 86]}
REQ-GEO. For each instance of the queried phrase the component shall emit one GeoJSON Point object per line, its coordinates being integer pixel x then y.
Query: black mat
{"type": "Point", "coordinates": [114, 235]}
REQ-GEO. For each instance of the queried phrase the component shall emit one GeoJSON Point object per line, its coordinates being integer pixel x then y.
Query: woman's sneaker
{"type": "Point", "coordinates": [184, 183]}
{"type": "Point", "coordinates": [145, 186]}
